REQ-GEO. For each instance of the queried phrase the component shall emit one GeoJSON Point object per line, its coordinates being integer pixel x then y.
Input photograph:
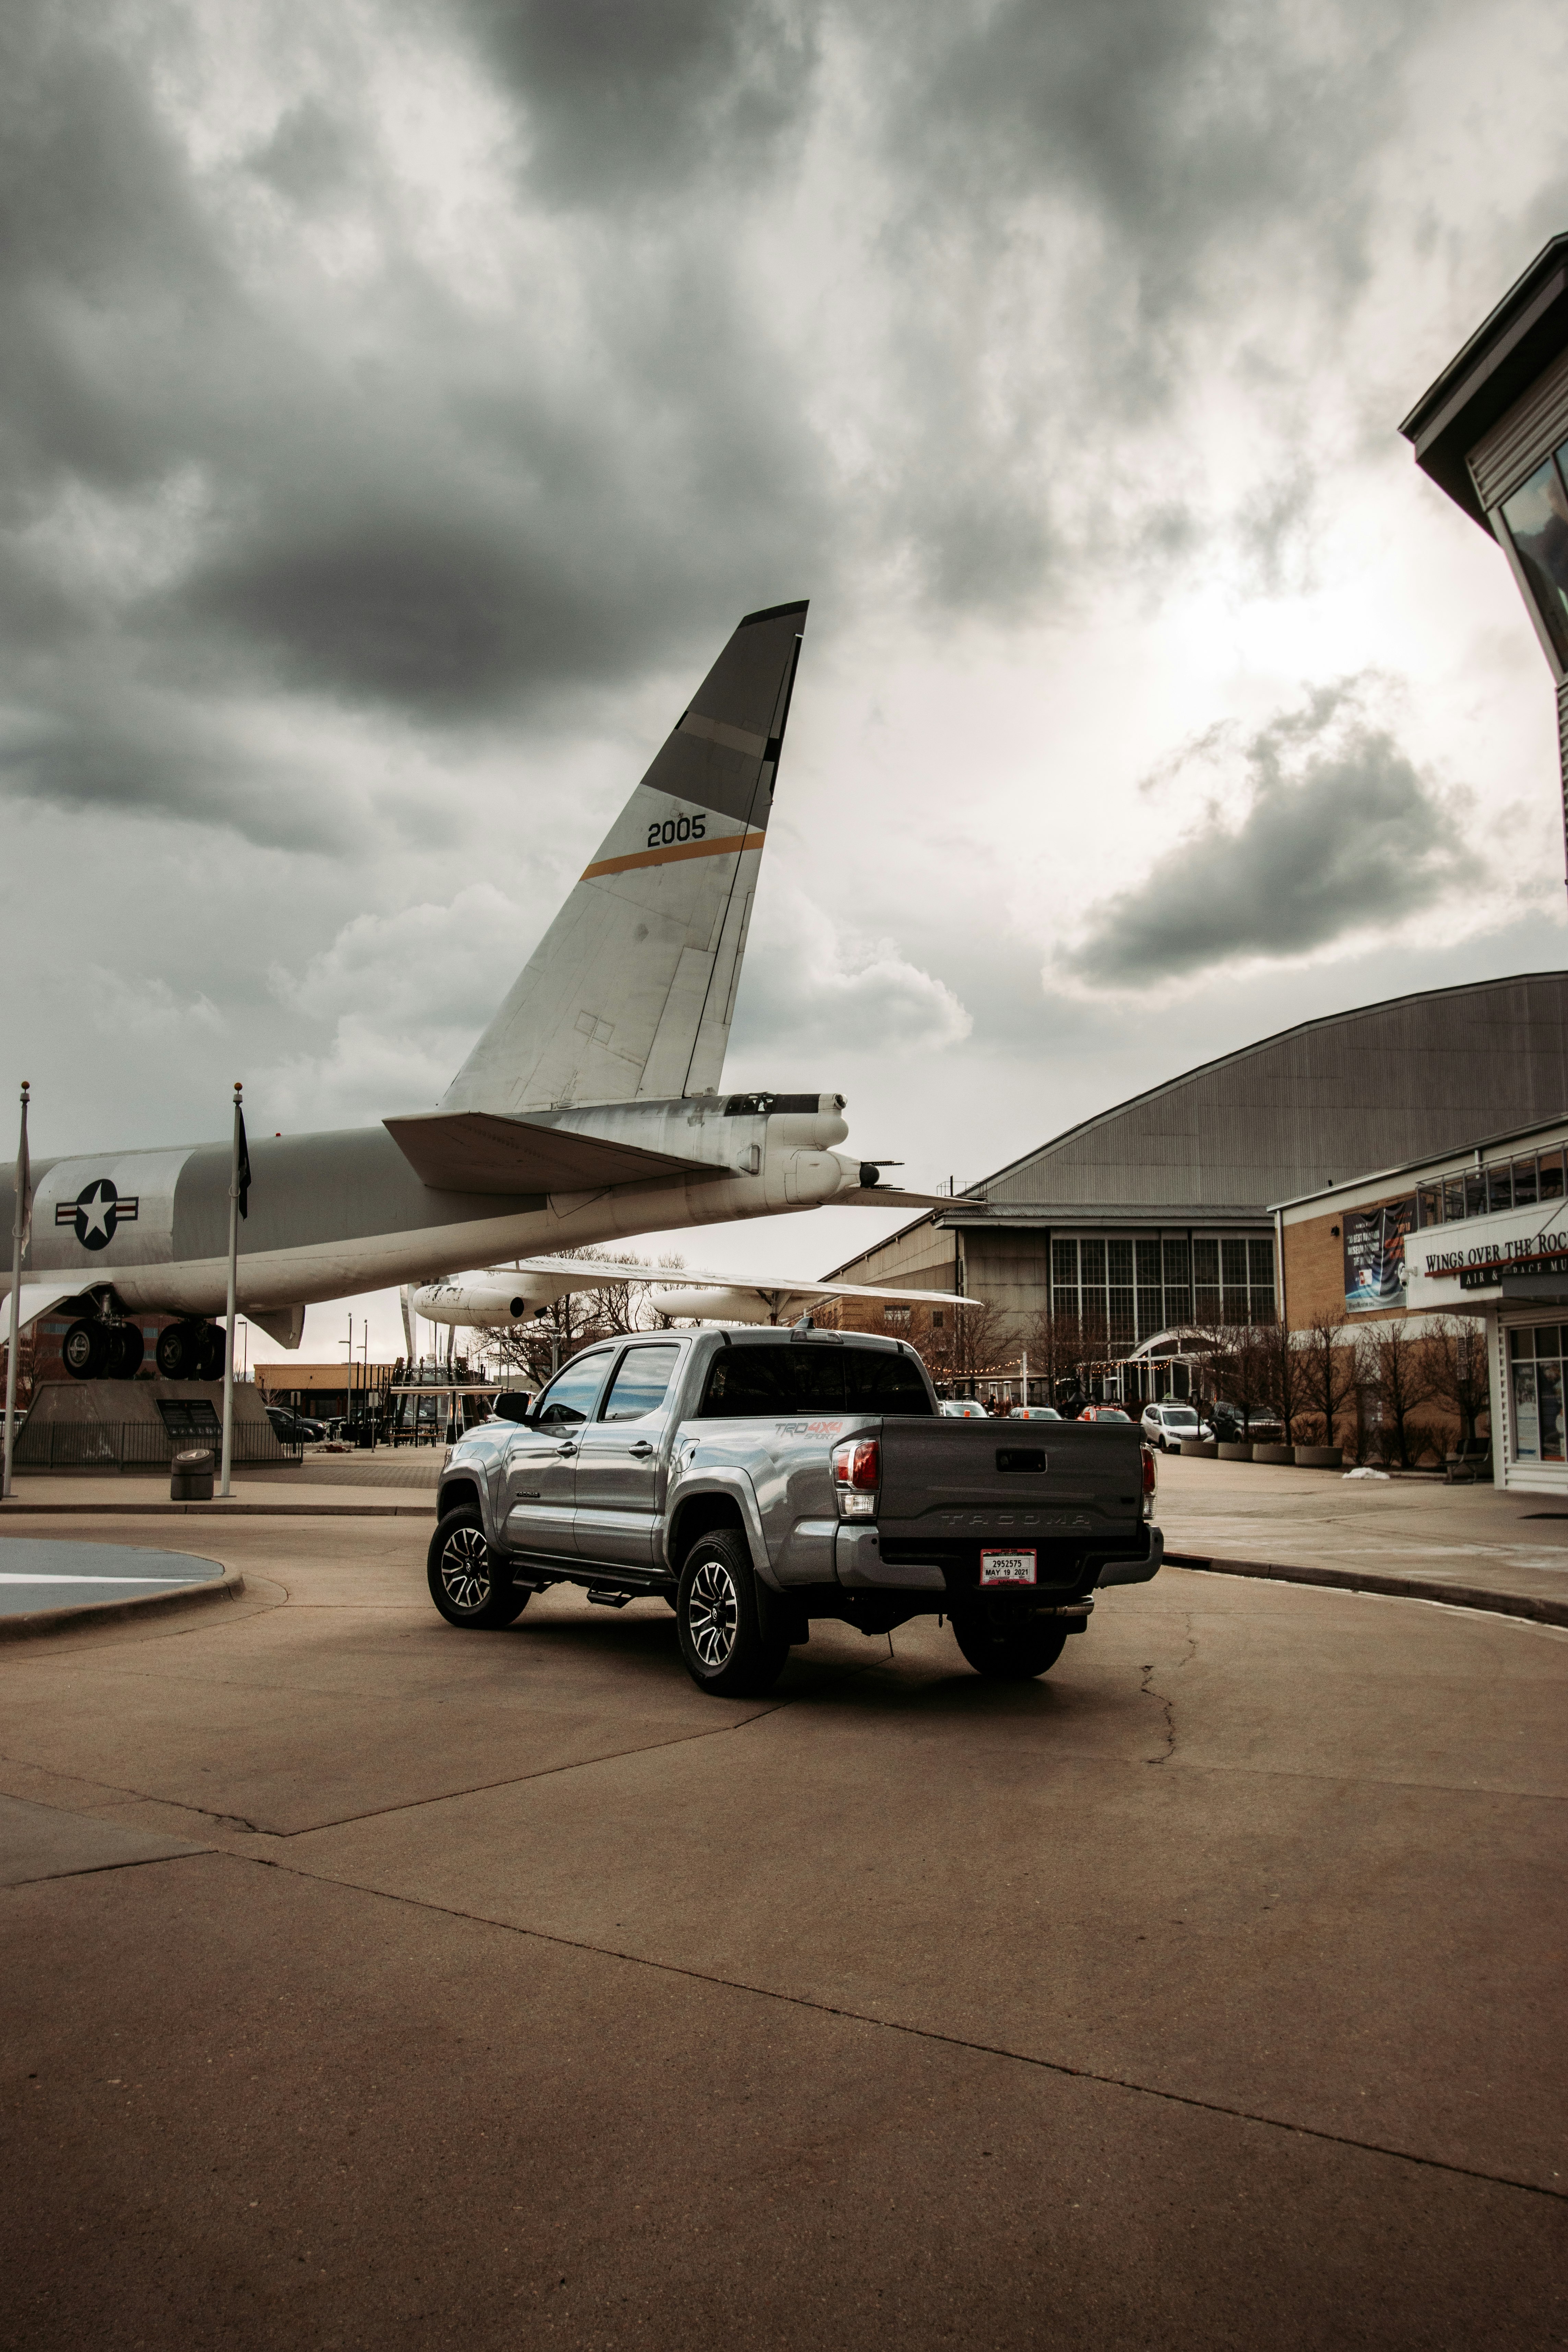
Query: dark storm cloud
{"type": "Point", "coordinates": [1330, 830]}
{"type": "Point", "coordinates": [235, 472]}
{"type": "Point", "coordinates": [647, 97]}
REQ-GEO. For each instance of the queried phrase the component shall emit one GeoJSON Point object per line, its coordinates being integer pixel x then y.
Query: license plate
{"type": "Point", "coordinates": [1006, 1568]}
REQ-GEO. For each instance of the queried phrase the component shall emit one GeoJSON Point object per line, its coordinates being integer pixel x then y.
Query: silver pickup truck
{"type": "Point", "coordinates": [757, 1479]}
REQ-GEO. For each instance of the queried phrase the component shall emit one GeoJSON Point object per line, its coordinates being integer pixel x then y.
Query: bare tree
{"type": "Point", "coordinates": [1458, 1368]}
{"type": "Point", "coordinates": [1285, 1374]}
{"type": "Point", "coordinates": [967, 1345]}
{"type": "Point", "coordinates": [552, 1336]}
{"type": "Point", "coordinates": [1397, 1369]}
{"type": "Point", "coordinates": [1329, 1368]}
{"type": "Point", "coordinates": [1055, 1348]}
{"type": "Point", "coordinates": [1241, 1357]}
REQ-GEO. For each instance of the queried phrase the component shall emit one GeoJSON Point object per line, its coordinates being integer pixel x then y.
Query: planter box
{"type": "Point", "coordinates": [1320, 1457]}
{"type": "Point", "coordinates": [1274, 1454]}
{"type": "Point", "coordinates": [1229, 1453]}
{"type": "Point", "coordinates": [1203, 1447]}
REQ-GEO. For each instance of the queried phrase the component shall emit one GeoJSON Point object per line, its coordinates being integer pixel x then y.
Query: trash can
{"type": "Point", "coordinates": [191, 1475]}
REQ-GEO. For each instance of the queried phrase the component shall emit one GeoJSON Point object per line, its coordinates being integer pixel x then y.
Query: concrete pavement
{"type": "Point", "coordinates": [1206, 1992]}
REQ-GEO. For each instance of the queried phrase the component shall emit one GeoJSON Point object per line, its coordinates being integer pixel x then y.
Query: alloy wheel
{"type": "Point", "coordinates": [466, 1568]}
{"type": "Point", "coordinates": [712, 1612]}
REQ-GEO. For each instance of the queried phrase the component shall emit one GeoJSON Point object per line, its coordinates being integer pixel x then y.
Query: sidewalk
{"type": "Point", "coordinates": [1473, 1546]}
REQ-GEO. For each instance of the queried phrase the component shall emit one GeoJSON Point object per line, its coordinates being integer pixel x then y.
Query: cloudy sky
{"type": "Point", "coordinates": [400, 402]}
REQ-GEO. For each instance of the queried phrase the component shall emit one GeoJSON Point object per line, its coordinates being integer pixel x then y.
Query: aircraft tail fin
{"type": "Point", "coordinates": [630, 993]}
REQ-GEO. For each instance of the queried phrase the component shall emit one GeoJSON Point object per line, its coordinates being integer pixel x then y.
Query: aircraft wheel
{"type": "Point", "coordinates": [85, 1349]}
{"type": "Point", "coordinates": [126, 1349]}
{"type": "Point", "coordinates": [1012, 1653]}
{"type": "Point", "coordinates": [208, 1353]}
{"type": "Point", "coordinates": [469, 1585]}
{"type": "Point", "coordinates": [174, 1350]}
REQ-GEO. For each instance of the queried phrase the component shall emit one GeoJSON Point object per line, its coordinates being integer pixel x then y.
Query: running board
{"type": "Point", "coordinates": [611, 1587]}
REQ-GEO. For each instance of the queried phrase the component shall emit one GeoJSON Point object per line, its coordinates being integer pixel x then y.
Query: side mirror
{"type": "Point", "coordinates": [512, 1404]}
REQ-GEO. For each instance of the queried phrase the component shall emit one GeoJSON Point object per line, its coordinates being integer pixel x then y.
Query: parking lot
{"type": "Point", "coordinates": [371, 1983]}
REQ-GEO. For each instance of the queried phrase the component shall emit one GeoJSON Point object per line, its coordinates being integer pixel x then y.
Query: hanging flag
{"type": "Point", "coordinates": [243, 1170]}
{"type": "Point", "coordinates": [25, 1176]}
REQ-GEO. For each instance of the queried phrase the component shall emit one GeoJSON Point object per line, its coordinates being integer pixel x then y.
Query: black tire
{"type": "Point", "coordinates": [126, 1349]}
{"type": "Point", "coordinates": [174, 1350]}
{"type": "Point", "coordinates": [1013, 1652]}
{"type": "Point", "coordinates": [728, 1643]}
{"type": "Point", "coordinates": [469, 1585]}
{"type": "Point", "coordinates": [84, 1351]}
{"type": "Point", "coordinates": [208, 1352]}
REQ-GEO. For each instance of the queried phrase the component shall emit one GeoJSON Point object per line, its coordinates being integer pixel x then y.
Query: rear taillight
{"type": "Point", "coordinates": [856, 1474]}
{"type": "Point", "coordinates": [1150, 1473]}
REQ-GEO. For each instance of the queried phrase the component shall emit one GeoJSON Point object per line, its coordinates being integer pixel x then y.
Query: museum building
{"type": "Point", "coordinates": [1479, 1230]}
{"type": "Point", "coordinates": [1162, 1211]}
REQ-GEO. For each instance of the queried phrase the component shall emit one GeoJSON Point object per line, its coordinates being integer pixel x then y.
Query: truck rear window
{"type": "Point", "coordinates": [802, 1378]}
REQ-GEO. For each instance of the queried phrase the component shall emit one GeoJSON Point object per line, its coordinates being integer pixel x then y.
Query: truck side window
{"type": "Point", "coordinates": [642, 1383]}
{"type": "Point", "coordinates": [758, 1382]}
{"type": "Point", "coordinates": [573, 1395]}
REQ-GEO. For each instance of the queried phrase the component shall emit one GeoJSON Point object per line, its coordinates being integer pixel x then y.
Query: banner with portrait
{"type": "Point", "coordinates": [1374, 1255]}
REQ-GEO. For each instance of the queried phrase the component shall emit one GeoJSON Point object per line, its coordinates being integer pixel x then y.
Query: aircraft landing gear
{"type": "Point", "coordinates": [191, 1352]}
{"type": "Point", "coordinates": [85, 1350]}
{"type": "Point", "coordinates": [96, 1351]}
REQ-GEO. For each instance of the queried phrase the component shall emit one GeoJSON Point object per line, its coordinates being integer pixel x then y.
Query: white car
{"type": "Point", "coordinates": [1166, 1425]}
{"type": "Point", "coordinates": [963, 1409]}
{"type": "Point", "coordinates": [1033, 1412]}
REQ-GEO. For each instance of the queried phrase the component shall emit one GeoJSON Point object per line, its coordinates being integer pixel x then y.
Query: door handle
{"type": "Point", "coordinates": [642, 1448]}
{"type": "Point", "coordinates": [566, 1449]}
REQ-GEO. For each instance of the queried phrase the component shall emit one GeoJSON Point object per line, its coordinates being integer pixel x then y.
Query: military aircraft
{"type": "Point", "coordinates": [502, 1295]}
{"type": "Point", "coordinates": [590, 1109]}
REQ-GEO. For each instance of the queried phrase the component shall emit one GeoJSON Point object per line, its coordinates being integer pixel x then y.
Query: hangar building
{"type": "Point", "coordinates": [1157, 1213]}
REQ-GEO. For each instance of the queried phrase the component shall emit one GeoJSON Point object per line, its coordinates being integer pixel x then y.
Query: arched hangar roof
{"type": "Point", "coordinates": [1315, 1104]}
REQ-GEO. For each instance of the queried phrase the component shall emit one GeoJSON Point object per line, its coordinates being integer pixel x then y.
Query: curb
{"type": "Point", "coordinates": [1398, 1588]}
{"type": "Point", "coordinates": [37, 1623]}
{"type": "Point", "coordinates": [222, 1510]}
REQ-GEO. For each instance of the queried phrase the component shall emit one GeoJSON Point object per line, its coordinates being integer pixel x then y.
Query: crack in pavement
{"type": "Point", "coordinates": [1061, 2066]}
{"type": "Point", "coordinates": [1168, 1704]}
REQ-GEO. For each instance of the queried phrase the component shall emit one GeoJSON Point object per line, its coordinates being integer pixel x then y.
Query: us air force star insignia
{"type": "Point", "coordinates": [96, 1213]}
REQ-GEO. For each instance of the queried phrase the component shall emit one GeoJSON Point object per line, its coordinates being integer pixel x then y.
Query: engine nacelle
{"type": "Point", "coordinates": [711, 1306]}
{"type": "Point", "coordinates": [487, 1306]}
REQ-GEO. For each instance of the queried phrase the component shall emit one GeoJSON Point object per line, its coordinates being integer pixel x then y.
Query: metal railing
{"type": "Point", "coordinates": [136, 1445]}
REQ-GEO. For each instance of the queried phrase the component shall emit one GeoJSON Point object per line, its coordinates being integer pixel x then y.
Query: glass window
{"type": "Point", "coordinates": [1148, 1265]}
{"type": "Point", "coordinates": [1524, 1182]}
{"type": "Point", "coordinates": [1178, 1304]}
{"type": "Point", "coordinates": [1260, 1263]}
{"type": "Point", "coordinates": [1549, 1404]}
{"type": "Point", "coordinates": [1064, 1304]}
{"type": "Point", "coordinates": [1549, 1175]}
{"type": "Point", "coordinates": [1119, 1264]}
{"type": "Point", "coordinates": [574, 1392]}
{"type": "Point", "coordinates": [1475, 1193]}
{"type": "Point", "coordinates": [1537, 521]}
{"type": "Point", "coordinates": [1499, 1186]}
{"type": "Point", "coordinates": [1205, 1265]}
{"type": "Point", "coordinates": [1151, 1313]}
{"type": "Point", "coordinates": [1121, 1329]}
{"type": "Point", "coordinates": [1526, 1419]}
{"type": "Point", "coordinates": [1206, 1305]}
{"type": "Point", "coordinates": [1233, 1259]}
{"type": "Point", "coordinates": [1092, 1255]}
{"type": "Point", "coordinates": [812, 1376]}
{"type": "Point", "coordinates": [642, 1382]}
{"type": "Point", "coordinates": [1178, 1265]}
{"type": "Point", "coordinates": [1453, 1199]}
{"type": "Point", "coordinates": [1064, 1265]}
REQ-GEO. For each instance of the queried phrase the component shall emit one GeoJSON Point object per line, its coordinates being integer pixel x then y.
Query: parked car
{"type": "Point", "coordinates": [1035, 1413]}
{"type": "Point", "coordinates": [295, 1428]}
{"type": "Point", "coordinates": [1165, 1425]}
{"type": "Point", "coordinates": [760, 1479]}
{"type": "Point", "coordinates": [1104, 1412]}
{"type": "Point", "coordinates": [963, 1409]}
{"type": "Point", "coordinates": [1232, 1428]}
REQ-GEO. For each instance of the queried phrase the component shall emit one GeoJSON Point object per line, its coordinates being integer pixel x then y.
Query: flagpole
{"type": "Point", "coordinates": [18, 1227]}
{"type": "Point", "coordinates": [233, 1255]}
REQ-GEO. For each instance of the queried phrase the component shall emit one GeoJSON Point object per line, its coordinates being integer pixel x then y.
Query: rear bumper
{"type": "Point", "coordinates": [859, 1567]}
{"type": "Point", "coordinates": [1134, 1568]}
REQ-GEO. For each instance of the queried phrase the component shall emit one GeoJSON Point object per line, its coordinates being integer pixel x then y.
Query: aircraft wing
{"type": "Point", "coordinates": [489, 1151]}
{"type": "Point", "coordinates": [593, 1271]}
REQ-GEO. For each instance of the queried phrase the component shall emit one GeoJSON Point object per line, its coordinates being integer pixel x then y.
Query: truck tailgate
{"type": "Point", "coordinates": [1064, 1488]}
